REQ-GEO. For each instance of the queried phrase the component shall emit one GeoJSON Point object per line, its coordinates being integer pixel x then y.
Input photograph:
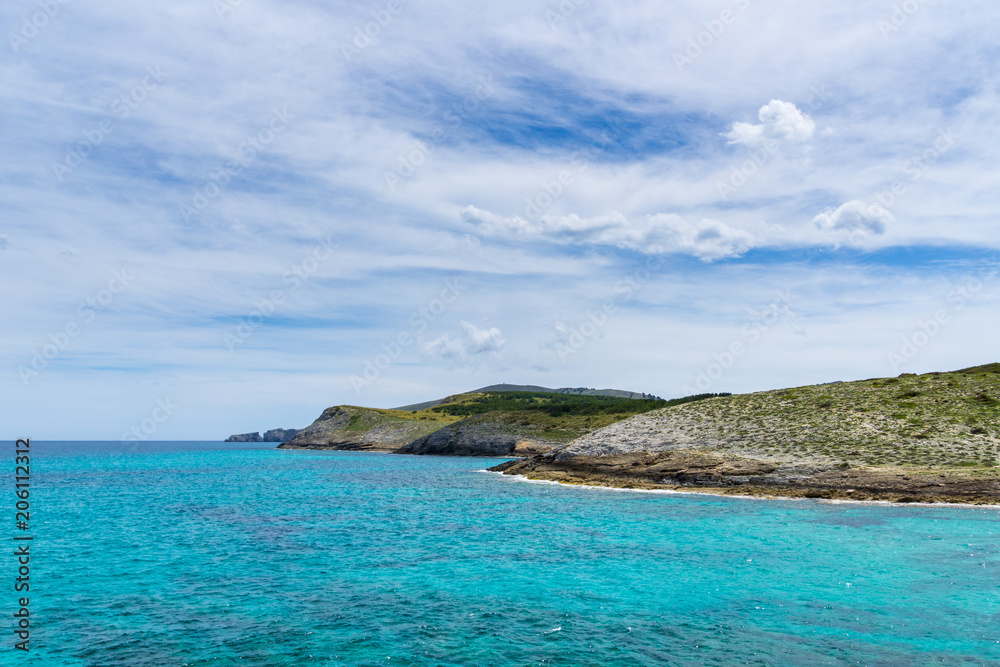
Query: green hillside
{"type": "Point", "coordinates": [555, 405]}
{"type": "Point", "coordinates": [931, 420]}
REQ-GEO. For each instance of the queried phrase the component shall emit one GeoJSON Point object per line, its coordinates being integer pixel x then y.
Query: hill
{"type": "Point", "coordinates": [581, 391]}
{"type": "Point", "coordinates": [493, 423]}
{"type": "Point", "coordinates": [929, 437]}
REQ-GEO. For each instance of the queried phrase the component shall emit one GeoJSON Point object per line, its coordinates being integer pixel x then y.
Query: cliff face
{"type": "Point", "coordinates": [929, 437]}
{"type": "Point", "coordinates": [488, 434]}
{"type": "Point", "coordinates": [346, 427]}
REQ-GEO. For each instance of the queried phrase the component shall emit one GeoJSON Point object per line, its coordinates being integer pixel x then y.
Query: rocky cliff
{"type": "Point", "coordinates": [347, 427]}
{"type": "Point", "coordinates": [489, 434]}
{"type": "Point", "coordinates": [280, 434]}
{"type": "Point", "coordinates": [245, 437]}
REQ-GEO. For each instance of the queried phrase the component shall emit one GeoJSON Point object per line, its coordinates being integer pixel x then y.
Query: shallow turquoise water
{"type": "Point", "coordinates": [202, 554]}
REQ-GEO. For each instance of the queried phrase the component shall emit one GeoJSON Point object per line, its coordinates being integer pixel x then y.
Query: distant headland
{"type": "Point", "coordinates": [274, 435]}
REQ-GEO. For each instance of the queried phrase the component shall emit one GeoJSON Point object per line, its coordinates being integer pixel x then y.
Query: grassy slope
{"type": "Point", "coordinates": [555, 417]}
{"type": "Point", "coordinates": [540, 425]}
{"type": "Point", "coordinates": [932, 420]}
{"type": "Point", "coordinates": [494, 388]}
{"type": "Point", "coordinates": [562, 428]}
{"type": "Point", "coordinates": [547, 402]}
{"type": "Point", "coordinates": [400, 416]}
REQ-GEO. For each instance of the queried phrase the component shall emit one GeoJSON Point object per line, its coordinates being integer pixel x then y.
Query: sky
{"type": "Point", "coordinates": [223, 216]}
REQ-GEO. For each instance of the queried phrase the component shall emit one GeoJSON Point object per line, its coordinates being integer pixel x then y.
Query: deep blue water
{"type": "Point", "coordinates": [211, 554]}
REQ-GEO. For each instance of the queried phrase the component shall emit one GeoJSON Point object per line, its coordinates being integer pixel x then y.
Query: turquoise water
{"type": "Point", "coordinates": [204, 554]}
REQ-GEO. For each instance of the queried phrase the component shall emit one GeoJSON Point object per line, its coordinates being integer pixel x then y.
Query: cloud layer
{"type": "Point", "coordinates": [306, 192]}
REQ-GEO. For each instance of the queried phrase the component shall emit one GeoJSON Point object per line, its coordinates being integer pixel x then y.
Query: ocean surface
{"type": "Point", "coordinates": [240, 554]}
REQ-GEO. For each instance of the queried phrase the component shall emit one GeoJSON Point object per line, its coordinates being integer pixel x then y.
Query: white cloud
{"type": "Point", "coordinates": [652, 234]}
{"type": "Point", "coordinates": [855, 217]}
{"type": "Point", "coordinates": [482, 340]}
{"type": "Point", "coordinates": [473, 342]}
{"type": "Point", "coordinates": [707, 239]}
{"type": "Point", "coordinates": [778, 120]}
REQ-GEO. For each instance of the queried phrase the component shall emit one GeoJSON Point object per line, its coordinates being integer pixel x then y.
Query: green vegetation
{"type": "Point", "coordinates": [556, 405]}
{"type": "Point", "coordinates": [364, 419]}
{"type": "Point", "coordinates": [403, 416]}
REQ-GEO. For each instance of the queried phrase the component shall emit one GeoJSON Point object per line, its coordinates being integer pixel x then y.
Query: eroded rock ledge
{"type": "Point", "coordinates": [688, 470]}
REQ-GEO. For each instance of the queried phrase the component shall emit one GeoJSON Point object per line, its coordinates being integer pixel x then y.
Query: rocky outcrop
{"type": "Point", "coordinates": [273, 435]}
{"type": "Point", "coordinates": [933, 438]}
{"type": "Point", "coordinates": [280, 434]}
{"type": "Point", "coordinates": [728, 475]}
{"type": "Point", "coordinates": [481, 435]}
{"type": "Point", "coordinates": [245, 437]}
{"type": "Point", "coordinates": [346, 427]}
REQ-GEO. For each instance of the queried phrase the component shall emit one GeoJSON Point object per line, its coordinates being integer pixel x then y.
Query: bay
{"type": "Point", "coordinates": [199, 553]}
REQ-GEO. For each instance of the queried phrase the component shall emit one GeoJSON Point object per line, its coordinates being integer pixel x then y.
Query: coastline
{"type": "Point", "coordinates": [382, 450]}
{"type": "Point", "coordinates": [341, 447]}
{"type": "Point", "coordinates": [693, 473]}
{"type": "Point", "coordinates": [730, 493]}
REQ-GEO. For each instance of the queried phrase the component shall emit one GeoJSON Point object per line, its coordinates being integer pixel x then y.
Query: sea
{"type": "Point", "coordinates": [207, 553]}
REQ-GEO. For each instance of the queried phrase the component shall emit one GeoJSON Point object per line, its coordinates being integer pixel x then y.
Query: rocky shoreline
{"type": "Point", "coordinates": [932, 438]}
{"type": "Point", "coordinates": [707, 472]}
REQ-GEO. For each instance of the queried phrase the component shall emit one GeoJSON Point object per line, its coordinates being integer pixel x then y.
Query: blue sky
{"type": "Point", "coordinates": [250, 211]}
